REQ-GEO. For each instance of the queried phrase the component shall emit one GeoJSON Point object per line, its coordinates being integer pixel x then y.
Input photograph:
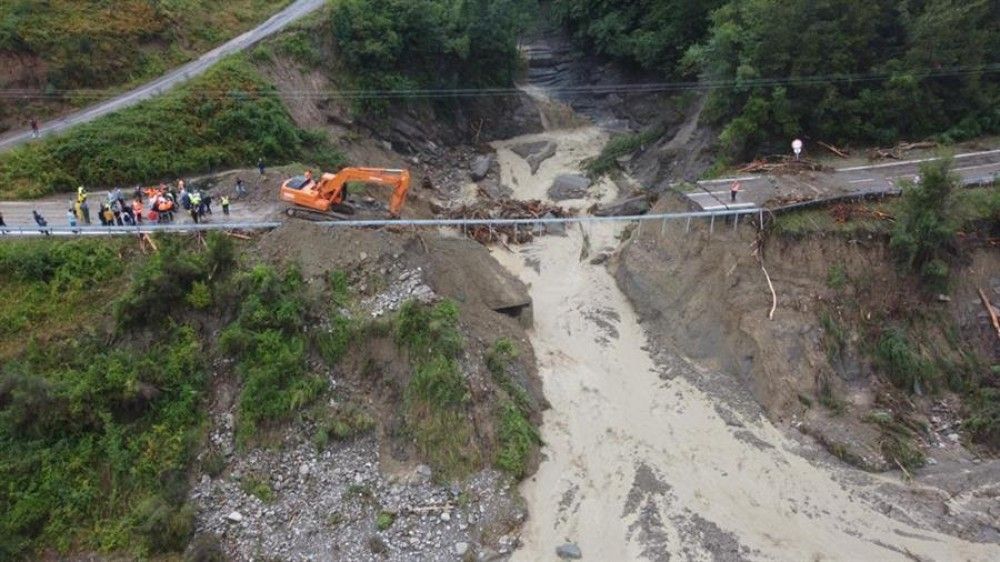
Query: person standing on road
{"type": "Point", "coordinates": [225, 205]}
{"type": "Point", "coordinates": [137, 209]}
{"type": "Point", "coordinates": [196, 208]}
{"type": "Point", "coordinates": [3, 225]}
{"type": "Point", "coordinates": [108, 216]}
{"type": "Point", "coordinates": [84, 211]}
{"type": "Point", "coordinates": [734, 190]}
{"type": "Point", "coordinates": [34, 128]}
{"type": "Point", "coordinates": [260, 165]}
{"type": "Point", "coordinates": [71, 219]}
{"type": "Point", "coordinates": [241, 189]}
{"type": "Point", "coordinates": [40, 221]}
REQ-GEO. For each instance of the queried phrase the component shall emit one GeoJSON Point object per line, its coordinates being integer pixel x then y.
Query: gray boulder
{"type": "Point", "coordinates": [569, 551]}
{"type": "Point", "coordinates": [626, 207]}
{"type": "Point", "coordinates": [481, 167]}
{"type": "Point", "coordinates": [535, 153]}
{"type": "Point", "coordinates": [568, 186]}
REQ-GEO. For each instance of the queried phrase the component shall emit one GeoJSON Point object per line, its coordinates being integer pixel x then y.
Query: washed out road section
{"type": "Point", "coordinates": [640, 462]}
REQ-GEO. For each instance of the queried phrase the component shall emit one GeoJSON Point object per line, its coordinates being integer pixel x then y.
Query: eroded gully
{"type": "Point", "coordinates": [641, 464]}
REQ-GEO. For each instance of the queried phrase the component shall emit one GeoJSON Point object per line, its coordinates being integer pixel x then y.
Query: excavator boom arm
{"type": "Point", "coordinates": [331, 187]}
{"type": "Point", "coordinates": [329, 190]}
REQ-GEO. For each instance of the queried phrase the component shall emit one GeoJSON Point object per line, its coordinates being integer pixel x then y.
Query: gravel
{"type": "Point", "coordinates": [325, 504]}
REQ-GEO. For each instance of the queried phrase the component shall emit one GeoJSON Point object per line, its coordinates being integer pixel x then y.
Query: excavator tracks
{"type": "Point", "coordinates": [319, 216]}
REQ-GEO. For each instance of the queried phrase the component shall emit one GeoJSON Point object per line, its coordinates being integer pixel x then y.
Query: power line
{"type": "Point", "coordinates": [598, 89]}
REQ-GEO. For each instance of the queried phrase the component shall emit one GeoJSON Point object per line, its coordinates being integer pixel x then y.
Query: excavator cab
{"type": "Point", "coordinates": [325, 199]}
{"type": "Point", "coordinates": [298, 182]}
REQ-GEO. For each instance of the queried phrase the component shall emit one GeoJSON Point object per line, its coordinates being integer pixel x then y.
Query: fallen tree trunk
{"type": "Point", "coordinates": [991, 311]}
{"type": "Point", "coordinates": [833, 149]}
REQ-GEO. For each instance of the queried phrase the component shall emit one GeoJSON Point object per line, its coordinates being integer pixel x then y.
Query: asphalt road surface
{"type": "Point", "coordinates": [294, 12]}
{"type": "Point", "coordinates": [776, 189]}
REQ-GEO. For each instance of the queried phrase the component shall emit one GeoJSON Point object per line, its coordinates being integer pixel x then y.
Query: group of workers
{"type": "Point", "coordinates": [156, 205]}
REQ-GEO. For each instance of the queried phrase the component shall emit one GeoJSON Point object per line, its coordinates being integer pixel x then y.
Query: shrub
{"type": "Point", "coordinates": [895, 357]}
{"type": "Point", "coordinates": [926, 224]}
{"type": "Point", "coordinates": [436, 394]}
{"type": "Point", "coordinates": [333, 344]}
{"type": "Point", "coordinates": [836, 277]}
{"type": "Point", "coordinates": [984, 416]}
{"type": "Point", "coordinates": [258, 488]}
{"type": "Point", "coordinates": [267, 339]}
{"type": "Point", "coordinates": [345, 422]}
{"type": "Point", "coordinates": [518, 439]}
{"type": "Point", "coordinates": [384, 520]}
{"type": "Point", "coordinates": [200, 296]}
{"type": "Point", "coordinates": [621, 145]}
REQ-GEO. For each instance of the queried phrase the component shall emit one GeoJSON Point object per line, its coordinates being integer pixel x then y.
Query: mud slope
{"type": "Point", "coordinates": [641, 463]}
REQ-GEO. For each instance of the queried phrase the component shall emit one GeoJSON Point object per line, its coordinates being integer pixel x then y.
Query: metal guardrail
{"type": "Point", "coordinates": [192, 227]}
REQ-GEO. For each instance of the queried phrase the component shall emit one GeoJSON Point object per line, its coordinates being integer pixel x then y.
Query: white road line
{"type": "Point", "coordinates": [920, 161]}
{"type": "Point", "coordinates": [731, 206]}
{"type": "Point", "coordinates": [707, 193]}
{"type": "Point", "coordinates": [729, 180]}
{"type": "Point", "coordinates": [975, 167]}
{"type": "Point", "coordinates": [862, 181]}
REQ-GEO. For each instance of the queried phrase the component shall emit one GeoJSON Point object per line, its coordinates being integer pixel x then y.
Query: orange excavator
{"type": "Point", "coordinates": [324, 200]}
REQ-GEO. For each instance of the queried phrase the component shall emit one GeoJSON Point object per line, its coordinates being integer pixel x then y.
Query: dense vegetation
{"type": "Point", "coordinates": [228, 117]}
{"type": "Point", "coordinates": [834, 70]}
{"type": "Point", "coordinates": [96, 44]}
{"type": "Point", "coordinates": [436, 397]}
{"type": "Point", "coordinates": [105, 355]}
{"type": "Point", "coordinates": [429, 44]}
{"type": "Point", "coordinates": [268, 341]}
{"type": "Point", "coordinates": [95, 432]}
{"type": "Point", "coordinates": [651, 34]}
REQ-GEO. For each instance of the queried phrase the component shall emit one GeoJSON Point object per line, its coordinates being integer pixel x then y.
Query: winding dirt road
{"type": "Point", "coordinates": [295, 11]}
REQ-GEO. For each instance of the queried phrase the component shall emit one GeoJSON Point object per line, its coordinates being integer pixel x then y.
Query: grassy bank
{"type": "Point", "coordinates": [228, 117]}
{"type": "Point", "coordinates": [67, 46]}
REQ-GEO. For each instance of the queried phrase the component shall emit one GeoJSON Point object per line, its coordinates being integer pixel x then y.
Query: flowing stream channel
{"type": "Point", "coordinates": [638, 462]}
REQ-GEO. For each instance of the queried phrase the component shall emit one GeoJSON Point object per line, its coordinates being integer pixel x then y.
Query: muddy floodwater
{"type": "Point", "coordinates": [641, 464]}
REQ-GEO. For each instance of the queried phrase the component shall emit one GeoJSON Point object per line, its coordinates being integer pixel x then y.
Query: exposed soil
{"type": "Point", "coordinates": [705, 294]}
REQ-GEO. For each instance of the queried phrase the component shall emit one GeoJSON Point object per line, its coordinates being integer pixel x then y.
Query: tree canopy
{"type": "Point", "coordinates": [443, 44]}
{"type": "Point", "coordinates": [864, 71]}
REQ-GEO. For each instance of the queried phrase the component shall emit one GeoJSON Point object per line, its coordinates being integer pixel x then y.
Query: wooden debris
{"type": "Point", "coordinates": [846, 212]}
{"type": "Point", "coordinates": [839, 152]}
{"type": "Point", "coordinates": [502, 209]}
{"type": "Point", "coordinates": [897, 152]}
{"type": "Point", "coordinates": [782, 165]}
{"type": "Point", "coordinates": [238, 235]}
{"type": "Point", "coordinates": [760, 260]}
{"type": "Point", "coordinates": [991, 311]}
{"type": "Point", "coordinates": [148, 240]}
